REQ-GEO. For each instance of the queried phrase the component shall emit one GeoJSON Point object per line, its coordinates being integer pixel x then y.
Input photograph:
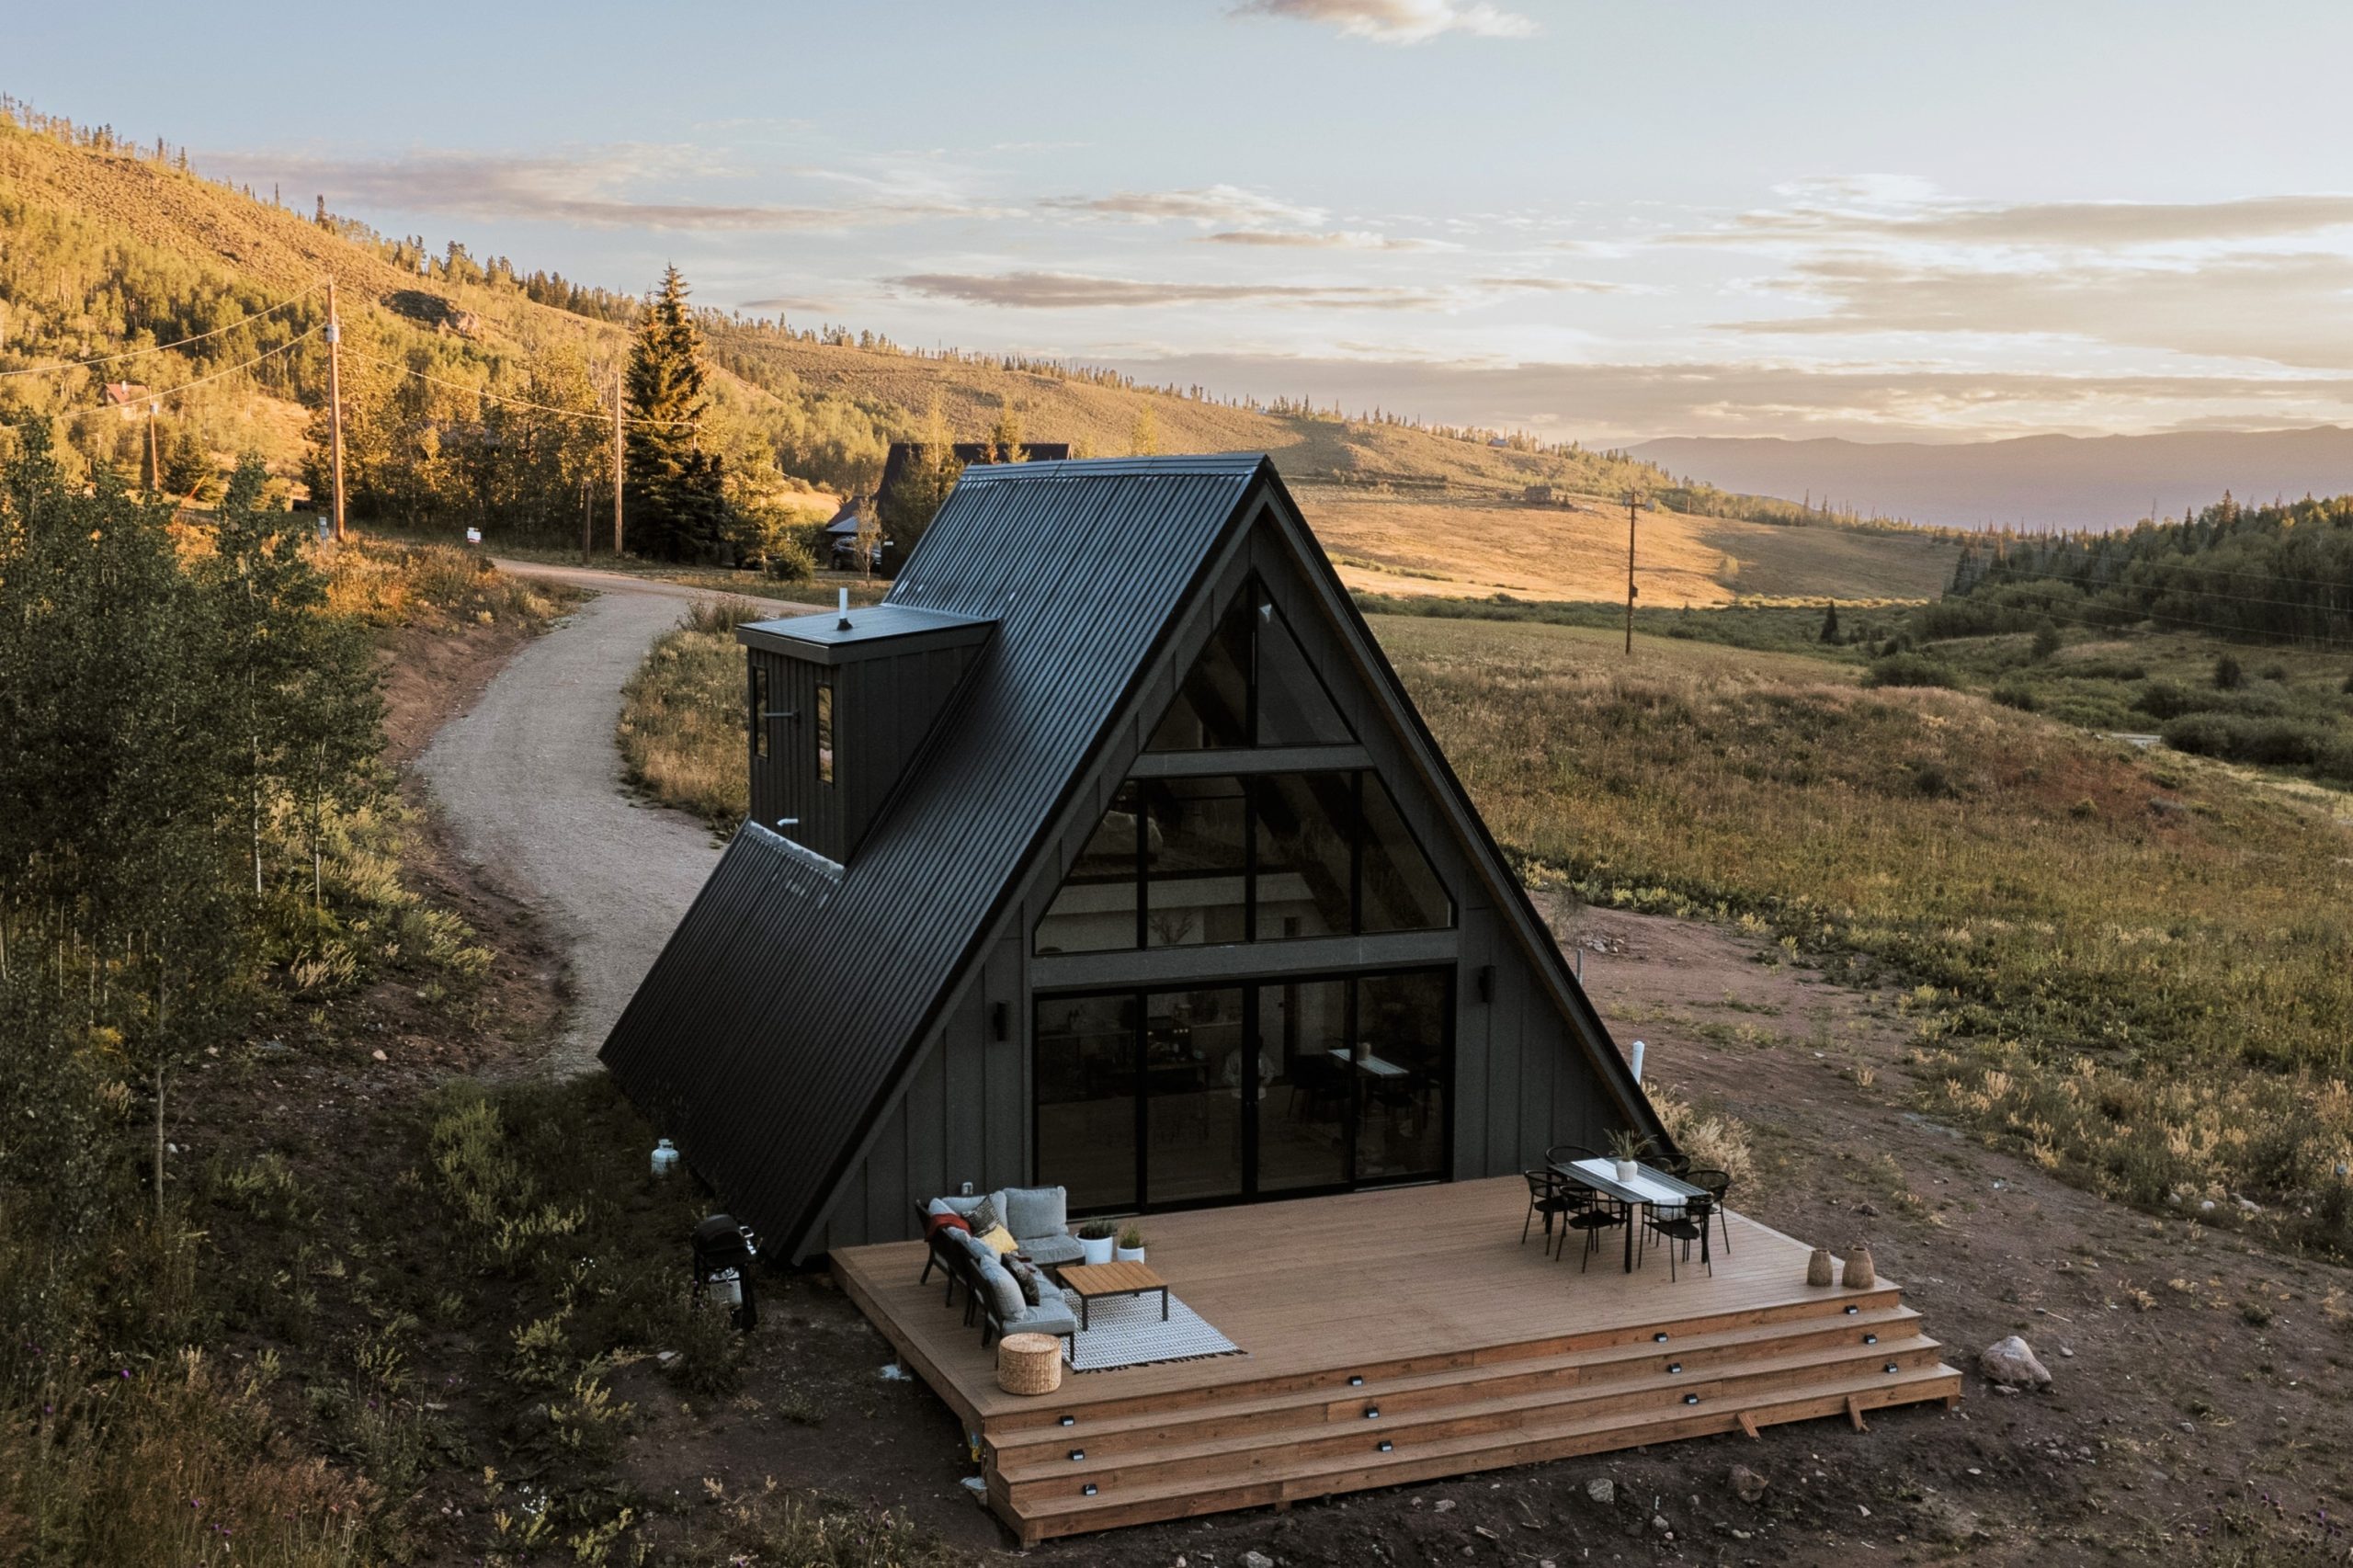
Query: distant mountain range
{"type": "Point", "coordinates": [2037, 482]}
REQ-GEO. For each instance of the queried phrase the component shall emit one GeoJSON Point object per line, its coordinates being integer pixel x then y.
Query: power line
{"type": "Point", "coordinates": [160, 347]}
{"type": "Point", "coordinates": [157, 395]}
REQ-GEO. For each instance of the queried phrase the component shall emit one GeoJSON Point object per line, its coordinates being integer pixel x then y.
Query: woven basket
{"type": "Point", "coordinates": [1030, 1363]}
{"type": "Point", "coordinates": [1817, 1268]}
{"type": "Point", "coordinates": [1858, 1274]}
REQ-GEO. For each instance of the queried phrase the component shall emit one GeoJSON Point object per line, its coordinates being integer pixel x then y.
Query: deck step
{"type": "Point", "coordinates": [1333, 1400]}
{"type": "Point", "coordinates": [1275, 1444]}
{"type": "Point", "coordinates": [1037, 1519]}
{"type": "Point", "coordinates": [1044, 1415]}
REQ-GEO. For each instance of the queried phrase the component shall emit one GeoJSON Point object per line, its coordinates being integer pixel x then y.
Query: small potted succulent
{"type": "Point", "coordinates": [1130, 1247]}
{"type": "Point", "coordinates": [1626, 1147]}
{"type": "Point", "coordinates": [1097, 1238]}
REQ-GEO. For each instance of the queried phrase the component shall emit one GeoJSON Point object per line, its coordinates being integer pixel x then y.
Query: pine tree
{"type": "Point", "coordinates": [672, 494]}
{"type": "Point", "coordinates": [920, 489]}
{"type": "Point", "coordinates": [1830, 626]}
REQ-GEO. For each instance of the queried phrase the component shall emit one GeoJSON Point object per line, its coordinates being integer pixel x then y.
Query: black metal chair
{"type": "Point", "coordinates": [1715, 1184]}
{"type": "Point", "coordinates": [940, 1252]}
{"type": "Point", "coordinates": [1567, 1154]}
{"type": "Point", "coordinates": [1589, 1214]}
{"type": "Point", "coordinates": [1545, 1197]}
{"type": "Point", "coordinates": [1675, 1163]}
{"type": "Point", "coordinates": [1687, 1225]}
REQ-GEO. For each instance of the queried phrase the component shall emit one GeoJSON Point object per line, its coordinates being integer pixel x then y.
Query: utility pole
{"type": "Point", "coordinates": [619, 377]}
{"type": "Point", "coordinates": [587, 519]}
{"type": "Point", "coordinates": [1633, 500]}
{"type": "Point", "coordinates": [335, 404]}
{"type": "Point", "coordinates": [154, 465]}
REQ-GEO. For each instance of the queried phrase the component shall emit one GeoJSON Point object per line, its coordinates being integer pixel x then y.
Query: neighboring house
{"type": "Point", "coordinates": [841, 542]}
{"type": "Point", "coordinates": [127, 399]}
{"type": "Point", "coordinates": [1106, 853]}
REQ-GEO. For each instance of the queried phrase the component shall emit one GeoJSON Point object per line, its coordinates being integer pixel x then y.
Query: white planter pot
{"type": "Point", "coordinates": [1626, 1169]}
{"type": "Point", "coordinates": [1097, 1252]}
{"type": "Point", "coordinates": [1129, 1254]}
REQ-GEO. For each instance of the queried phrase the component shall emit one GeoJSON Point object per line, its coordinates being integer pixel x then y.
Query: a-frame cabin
{"type": "Point", "coordinates": [1114, 782]}
{"type": "Point", "coordinates": [1109, 855]}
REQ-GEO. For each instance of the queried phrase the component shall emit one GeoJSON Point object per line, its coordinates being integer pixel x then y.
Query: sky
{"type": "Point", "coordinates": [1594, 221]}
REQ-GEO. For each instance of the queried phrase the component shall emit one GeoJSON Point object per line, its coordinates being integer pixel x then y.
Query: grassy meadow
{"type": "Point", "coordinates": [2129, 962]}
{"type": "Point", "coordinates": [683, 727]}
{"type": "Point", "coordinates": [1475, 547]}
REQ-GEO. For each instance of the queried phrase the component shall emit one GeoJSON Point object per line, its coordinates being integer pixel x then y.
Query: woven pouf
{"type": "Point", "coordinates": [1858, 1274]}
{"type": "Point", "coordinates": [1817, 1268]}
{"type": "Point", "coordinates": [1030, 1363]}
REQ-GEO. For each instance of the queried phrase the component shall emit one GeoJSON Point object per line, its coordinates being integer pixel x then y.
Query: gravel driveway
{"type": "Point", "coordinates": [530, 782]}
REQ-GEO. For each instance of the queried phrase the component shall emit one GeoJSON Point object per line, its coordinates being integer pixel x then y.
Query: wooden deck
{"type": "Point", "coordinates": [1473, 1352]}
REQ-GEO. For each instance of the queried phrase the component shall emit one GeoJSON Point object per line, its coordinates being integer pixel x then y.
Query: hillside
{"type": "Point", "coordinates": [114, 247]}
{"type": "Point", "coordinates": [2034, 480]}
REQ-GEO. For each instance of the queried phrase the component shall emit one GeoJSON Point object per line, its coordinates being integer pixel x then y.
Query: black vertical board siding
{"type": "Point", "coordinates": [780, 1014]}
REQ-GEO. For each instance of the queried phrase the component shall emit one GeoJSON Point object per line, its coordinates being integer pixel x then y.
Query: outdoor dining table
{"type": "Point", "coordinates": [1649, 1185]}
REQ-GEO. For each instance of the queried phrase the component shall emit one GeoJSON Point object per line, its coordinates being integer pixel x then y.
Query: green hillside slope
{"type": "Point", "coordinates": [113, 248]}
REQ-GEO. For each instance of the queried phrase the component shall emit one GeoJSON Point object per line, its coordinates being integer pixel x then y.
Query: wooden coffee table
{"type": "Point", "coordinates": [1088, 1280]}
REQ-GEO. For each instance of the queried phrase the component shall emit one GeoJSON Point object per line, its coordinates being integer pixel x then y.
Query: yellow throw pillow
{"type": "Point", "coordinates": [1000, 1238]}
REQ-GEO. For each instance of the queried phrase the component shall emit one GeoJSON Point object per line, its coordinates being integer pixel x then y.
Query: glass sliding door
{"type": "Point", "coordinates": [1196, 1087]}
{"type": "Point", "coordinates": [1304, 1103]}
{"type": "Point", "coordinates": [1404, 1067]}
{"type": "Point", "coordinates": [1209, 1094]}
{"type": "Point", "coordinates": [1085, 1088]}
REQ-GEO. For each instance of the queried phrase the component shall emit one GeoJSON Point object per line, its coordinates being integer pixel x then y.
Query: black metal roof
{"type": "Point", "coordinates": [749, 1040]}
{"type": "Point", "coordinates": [867, 623]}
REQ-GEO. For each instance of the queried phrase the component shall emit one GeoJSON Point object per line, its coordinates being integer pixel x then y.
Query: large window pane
{"type": "Point", "coordinates": [1400, 890]}
{"type": "Point", "coordinates": [1212, 708]}
{"type": "Point", "coordinates": [1094, 911]}
{"type": "Point", "coordinates": [1195, 861]}
{"type": "Point", "coordinates": [1294, 708]}
{"type": "Point", "coordinates": [1306, 1104]}
{"type": "Point", "coordinates": [1402, 1071]}
{"type": "Point", "coordinates": [1198, 1081]}
{"type": "Point", "coordinates": [1304, 826]}
{"type": "Point", "coordinates": [1086, 1071]}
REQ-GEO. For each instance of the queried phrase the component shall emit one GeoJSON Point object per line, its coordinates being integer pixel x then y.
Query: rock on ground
{"type": "Point", "coordinates": [2011, 1362]}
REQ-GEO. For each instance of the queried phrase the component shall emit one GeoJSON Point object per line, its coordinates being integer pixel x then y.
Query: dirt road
{"type": "Point", "coordinates": [530, 782]}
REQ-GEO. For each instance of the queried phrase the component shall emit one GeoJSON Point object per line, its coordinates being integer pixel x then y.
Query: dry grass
{"type": "Point", "coordinates": [383, 585]}
{"type": "Point", "coordinates": [683, 719]}
{"type": "Point", "coordinates": [2130, 967]}
{"type": "Point", "coordinates": [1470, 549]}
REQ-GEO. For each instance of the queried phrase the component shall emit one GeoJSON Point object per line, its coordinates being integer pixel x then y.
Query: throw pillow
{"type": "Point", "coordinates": [984, 1216]}
{"type": "Point", "coordinates": [1037, 1211]}
{"type": "Point", "coordinates": [1005, 1296]}
{"type": "Point", "coordinates": [999, 1239]}
{"type": "Point", "coordinates": [1033, 1288]}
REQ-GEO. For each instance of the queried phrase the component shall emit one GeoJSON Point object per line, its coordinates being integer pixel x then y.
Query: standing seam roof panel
{"type": "Point", "coordinates": [782, 1010]}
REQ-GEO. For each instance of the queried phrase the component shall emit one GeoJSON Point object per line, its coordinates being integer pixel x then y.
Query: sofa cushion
{"type": "Point", "coordinates": [963, 1206]}
{"type": "Point", "coordinates": [1004, 1294]}
{"type": "Point", "coordinates": [1050, 1316]}
{"type": "Point", "coordinates": [1036, 1211]}
{"type": "Point", "coordinates": [1048, 1251]}
{"type": "Point", "coordinates": [1053, 1251]}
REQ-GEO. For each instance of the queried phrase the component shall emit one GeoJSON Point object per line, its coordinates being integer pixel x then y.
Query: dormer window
{"type": "Point", "coordinates": [825, 728]}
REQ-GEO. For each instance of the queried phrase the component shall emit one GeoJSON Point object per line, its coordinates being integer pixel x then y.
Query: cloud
{"type": "Point", "coordinates": [2286, 309]}
{"type": "Point", "coordinates": [1296, 239]}
{"type": "Point", "coordinates": [2097, 225]}
{"type": "Point", "coordinates": [1229, 204]}
{"type": "Point", "coordinates": [1398, 21]}
{"type": "Point", "coordinates": [1071, 290]}
{"type": "Point", "coordinates": [793, 303]}
{"type": "Point", "coordinates": [591, 187]}
{"type": "Point", "coordinates": [1553, 286]}
{"type": "Point", "coordinates": [1621, 403]}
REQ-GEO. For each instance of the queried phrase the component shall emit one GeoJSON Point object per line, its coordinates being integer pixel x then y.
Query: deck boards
{"type": "Point", "coordinates": [1421, 1289]}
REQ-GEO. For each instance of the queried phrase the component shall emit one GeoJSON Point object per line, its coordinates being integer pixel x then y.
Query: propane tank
{"type": "Point", "coordinates": [666, 1158]}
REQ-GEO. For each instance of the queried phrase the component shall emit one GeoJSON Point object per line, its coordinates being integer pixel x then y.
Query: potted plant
{"type": "Point", "coordinates": [1130, 1247]}
{"type": "Point", "coordinates": [1627, 1147]}
{"type": "Point", "coordinates": [1096, 1237]}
